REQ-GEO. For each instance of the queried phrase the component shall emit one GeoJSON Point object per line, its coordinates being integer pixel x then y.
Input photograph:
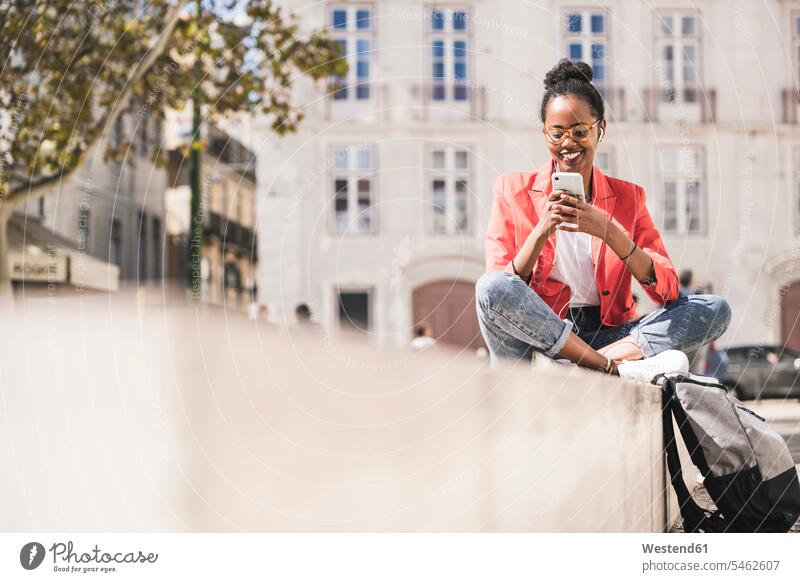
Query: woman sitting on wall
{"type": "Point", "coordinates": [559, 269]}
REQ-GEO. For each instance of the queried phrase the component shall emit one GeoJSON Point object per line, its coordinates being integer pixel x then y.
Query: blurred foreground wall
{"type": "Point", "coordinates": [125, 414]}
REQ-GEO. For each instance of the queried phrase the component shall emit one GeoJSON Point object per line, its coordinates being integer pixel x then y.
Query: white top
{"type": "Point", "coordinates": [422, 343]}
{"type": "Point", "coordinates": [573, 266]}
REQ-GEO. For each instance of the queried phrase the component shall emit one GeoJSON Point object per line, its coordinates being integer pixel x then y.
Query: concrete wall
{"type": "Point", "coordinates": [123, 415]}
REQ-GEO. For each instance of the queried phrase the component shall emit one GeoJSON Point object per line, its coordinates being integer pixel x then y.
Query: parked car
{"type": "Point", "coordinates": [762, 371]}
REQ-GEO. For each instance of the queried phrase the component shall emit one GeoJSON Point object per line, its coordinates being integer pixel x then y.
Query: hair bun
{"type": "Point", "coordinates": [565, 70]}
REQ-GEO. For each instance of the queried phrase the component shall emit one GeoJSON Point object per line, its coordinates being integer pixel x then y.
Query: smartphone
{"type": "Point", "coordinates": [571, 182]}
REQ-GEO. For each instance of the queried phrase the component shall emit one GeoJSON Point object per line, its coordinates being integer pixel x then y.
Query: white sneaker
{"type": "Point", "coordinates": [643, 370]}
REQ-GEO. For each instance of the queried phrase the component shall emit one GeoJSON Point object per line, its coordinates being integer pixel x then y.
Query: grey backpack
{"type": "Point", "coordinates": [747, 468]}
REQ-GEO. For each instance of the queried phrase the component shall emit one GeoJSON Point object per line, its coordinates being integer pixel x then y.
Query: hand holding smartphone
{"type": "Point", "coordinates": [570, 182]}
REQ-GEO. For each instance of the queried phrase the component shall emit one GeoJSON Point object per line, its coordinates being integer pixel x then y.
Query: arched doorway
{"type": "Point", "coordinates": [449, 306]}
{"type": "Point", "coordinates": [790, 315]}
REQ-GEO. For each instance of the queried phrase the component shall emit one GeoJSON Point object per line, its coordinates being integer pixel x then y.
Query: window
{"type": "Point", "coordinates": [796, 45]}
{"type": "Point", "coordinates": [118, 132]}
{"type": "Point", "coordinates": [142, 246]}
{"type": "Point", "coordinates": [449, 42]}
{"type": "Point", "coordinates": [144, 135]}
{"type": "Point", "coordinates": [604, 159]}
{"type": "Point", "coordinates": [352, 181]}
{"type": "Point", "coordinates": [587, 40]}
{"type": "Point", "coordinates": [683, 190]}
{"type": "Point", "coordinates": [156, 235]}
{"type": "Point", "coordinates": [84, 226]}
{"type": "Point", "coordinates": [352, 30]}
{"type": "Point", "coordinates": [449, 188]}
{"type": "Point", "coordinates": [678, 49]}
{"type": "Point", "coordinates": [354, 310]}
{"type": "Point", "coordinates": [115, 243]}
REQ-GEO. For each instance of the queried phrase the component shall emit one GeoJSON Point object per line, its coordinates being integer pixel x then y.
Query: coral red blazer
{"type": "Point", "coordinates": [519, 200]}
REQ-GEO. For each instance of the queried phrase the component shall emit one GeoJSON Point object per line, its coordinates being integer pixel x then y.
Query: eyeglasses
{"type": "Point", "coordinates": [578, 132]}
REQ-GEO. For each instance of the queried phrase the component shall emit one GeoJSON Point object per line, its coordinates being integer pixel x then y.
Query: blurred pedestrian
{"type": "Point", "coordinates": [263, 313]}
{"type": "Point", "coordinates": [687, 283]}
{"type": "Point", "coordinates": [423, 337]}
{"type": "Point", "coordinates": [303, 314]}
{"type": "Point", "coordinates": [252, 311]}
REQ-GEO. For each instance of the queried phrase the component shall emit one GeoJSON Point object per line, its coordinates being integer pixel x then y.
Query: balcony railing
{"type": "Point", "coordinates": [228, 150]}
{"type": "Point", "coordinates": [708, 100]}
{"type": "Point", "coordinates": [376, 107]}
{"type": "Point", "coordinates": [425, 99]}
{"type": "Point", "coordinates": [212, 225]}
{"type": "Point", "coordinates": [438, 100]}
{"type": "Point", "coordinates": [690, 103]}
{"type": "Point", "coordinates": [230, 233]}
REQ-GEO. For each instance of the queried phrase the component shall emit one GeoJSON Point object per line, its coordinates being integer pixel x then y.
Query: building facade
{"type": "Point", "coordinates": [377, 208]}
{"type": "Point", "coordinates": [108, 218]}
{"type": "Point", "coordinates": [229, 251]}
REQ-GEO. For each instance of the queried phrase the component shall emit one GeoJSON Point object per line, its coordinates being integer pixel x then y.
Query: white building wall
{"type": "Point", "coordinates": [112, 190]}
{"type": "Point", "coordinates": [749, 173]}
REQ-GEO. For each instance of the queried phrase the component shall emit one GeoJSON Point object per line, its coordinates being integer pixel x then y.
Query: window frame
{"type": "Point", "coordinates": [451, 175]}
{"type": "Point", "coordinates": [351, 35]}
{"type": "Point", "coordinates": [115, 242]}
{"type": "Point", "coordinates": [449, 36]}
{"type": "Point", "coordinates": [353, 174]}
{"type": "Point", "coordinates": [681, 178]}
{"type": "Point", "coordinates": [587, 38]}
{"type": "Point", "coordinates": [794, 35]}
{"type": "Point", "coordinates": [369, 291]}
{"type": "Point", "coordinates": [678, 88]}
{"type": "Point", "coordinates": [83, 239]}
{"type": "Point", "coordinates": [156, 237]}
{"type": "Point", "coordinates": [611, 152]}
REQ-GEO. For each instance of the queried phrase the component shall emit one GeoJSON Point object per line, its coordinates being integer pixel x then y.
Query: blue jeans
{"type": "Point", "coordinates": [515, 322]}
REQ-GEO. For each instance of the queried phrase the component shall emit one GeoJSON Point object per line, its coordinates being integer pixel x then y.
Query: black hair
{"type": "Point", "coordinates": [686, 277]}
{"type": "Point", "coordinates": [572, 78]}
{"type": "Point", "coordinates": [302, 312]}
{"type": "Point", "coordinates": [422, 329]}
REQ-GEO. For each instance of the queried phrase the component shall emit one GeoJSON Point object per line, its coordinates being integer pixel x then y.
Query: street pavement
{"type": "Point", "coordinates": [784, 417]}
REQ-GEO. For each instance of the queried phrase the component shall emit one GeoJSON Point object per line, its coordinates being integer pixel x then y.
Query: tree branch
{"type": "Point", "coordinates": [39, 187]}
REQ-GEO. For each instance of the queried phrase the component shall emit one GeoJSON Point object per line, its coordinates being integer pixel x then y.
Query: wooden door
{"type": "Point", "coordinates": [790, 315]}
{"type": "Point", "coordinates": [449, 307]}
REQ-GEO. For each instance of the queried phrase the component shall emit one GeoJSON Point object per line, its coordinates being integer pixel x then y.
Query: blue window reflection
{"type": "Point", "coordinates": [437, 20]}
{"type": "Point", "coordinates": [340, 19]}
{"type": "Point", "coordinates": [362, 19]}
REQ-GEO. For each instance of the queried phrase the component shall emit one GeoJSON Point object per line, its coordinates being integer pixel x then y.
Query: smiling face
{"type": "Point", "coordinates": [564, 112]}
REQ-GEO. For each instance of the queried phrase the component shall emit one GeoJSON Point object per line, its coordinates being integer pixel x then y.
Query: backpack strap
{"type": "Point", "coordinates": [689, 438]}
{"type": "Point", "coordinates": [694, 517]}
